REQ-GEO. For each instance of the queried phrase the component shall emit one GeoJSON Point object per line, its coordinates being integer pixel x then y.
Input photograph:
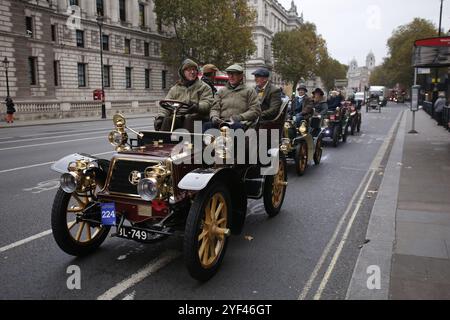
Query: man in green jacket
{"type": "Point", "coordinates": [268, 94]}
{"type": "Point", "coordinates": [192, 91]}
{"type": "Point", "coordinates": [236, 102]}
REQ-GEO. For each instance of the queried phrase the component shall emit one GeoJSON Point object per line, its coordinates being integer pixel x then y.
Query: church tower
{"type": "Point", "coordinates": [370, 61]}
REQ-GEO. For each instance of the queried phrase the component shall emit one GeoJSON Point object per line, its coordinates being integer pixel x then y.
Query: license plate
{"type": "Point", "coordinates": [134, 234]}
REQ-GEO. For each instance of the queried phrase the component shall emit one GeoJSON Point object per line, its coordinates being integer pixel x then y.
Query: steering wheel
{"type": "Point", "coordinates": [174, 105]}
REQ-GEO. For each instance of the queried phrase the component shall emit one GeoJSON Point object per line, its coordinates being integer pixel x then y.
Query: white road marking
{"type": "Point", "coordinates": [29, 239]}
{"type": "Point", "coordinates": [130, 296]}
{"type": "Point", "coordinates": [137, 277]}
{"type": "Point", "coordinates": [50, 143]}
{"type": "Point", "coordinates": [66, 135]}
{"type": "Point", "coordinates": [45, 163]}
{"type": "Point", "coordinates": [373, 167]}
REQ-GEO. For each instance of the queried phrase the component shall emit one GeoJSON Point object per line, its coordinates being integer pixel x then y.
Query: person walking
{"type": "Point", "coordinates": [10, 110]}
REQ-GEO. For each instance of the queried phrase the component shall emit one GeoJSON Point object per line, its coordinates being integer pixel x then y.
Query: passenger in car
{"type": "Point", "coordinates": [237, 103]}
{"type": "Point", "coordinates": [191, 90]}
{"type": "Point", "coordinates": [268, 95]}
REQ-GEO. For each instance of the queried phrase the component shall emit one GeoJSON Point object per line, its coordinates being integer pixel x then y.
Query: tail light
{"type": "Point", "coordinates": [332, 117]}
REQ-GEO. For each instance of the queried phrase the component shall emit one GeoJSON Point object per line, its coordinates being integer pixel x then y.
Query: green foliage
{"type": "Point", "coordinates": [298, 53]}
{"type": "Point", "coordinates": [330, 70]}
{"type": "Point", "coordinates": [397, 67]}
{"type": "Point", "coordinates": [207, 31]}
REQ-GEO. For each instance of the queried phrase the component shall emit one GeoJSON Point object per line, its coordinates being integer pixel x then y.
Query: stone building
{"type": "Point", "coordinates": [53, 47]}
{"type": "Point", "coordinates": [271, 18]}
{"type": "Point", "coordinates": [358, 77]}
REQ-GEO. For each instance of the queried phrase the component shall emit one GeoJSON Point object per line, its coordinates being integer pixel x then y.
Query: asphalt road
{"type": "Point", "coordinates": [297, 255]}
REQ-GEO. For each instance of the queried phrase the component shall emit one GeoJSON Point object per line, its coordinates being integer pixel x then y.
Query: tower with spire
{"type": "Point", "coordinates": [370, 61]}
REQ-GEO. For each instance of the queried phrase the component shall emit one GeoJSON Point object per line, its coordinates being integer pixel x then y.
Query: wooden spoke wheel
{"type": "Point", "coordinates": [207, 231]}
{"type": "Point", "coordinates": [301, 158]}
{"type": "Point", "coordinates": [318, 152]}
{"type": "Point", "coordinates": [275, 189]}
{"type": "Point", "coordinates": [74, 236]}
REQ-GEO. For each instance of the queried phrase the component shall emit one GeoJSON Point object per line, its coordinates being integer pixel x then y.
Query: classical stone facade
{"type": "Point", "coordinates": [358, 77]}
{"type": "Point", "coordinates": [54, 51]}
{"type": "Point", "coordinates": [271, 18]}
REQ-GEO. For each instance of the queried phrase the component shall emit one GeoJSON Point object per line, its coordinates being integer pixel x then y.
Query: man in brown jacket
{"type": "Point", "coordinates": [192, 91]}
{"type": "Point", "coordinates": [237, 102]}
{"type": "Point", "coordinates": [268, 94]}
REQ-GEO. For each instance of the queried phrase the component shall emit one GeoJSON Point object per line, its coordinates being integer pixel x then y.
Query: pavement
{"type": "Point", "coordinates": [407, 255]}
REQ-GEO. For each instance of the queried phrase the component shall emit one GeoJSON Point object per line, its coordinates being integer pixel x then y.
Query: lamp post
{"type": "Point", "coordinates": [100, 25]}
{"type": "Point", "coordinates": [5, 63]}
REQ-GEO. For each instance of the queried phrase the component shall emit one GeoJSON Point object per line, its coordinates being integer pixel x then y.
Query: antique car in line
{"type": "Point", "coordinates": [303, 144]}
{"type": "Point", "coordinates": [335, 125]}
{"type": "Point", "coordinates": [149, 191]}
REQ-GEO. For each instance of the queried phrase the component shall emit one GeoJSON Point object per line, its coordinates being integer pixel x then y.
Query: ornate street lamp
{"type": "Point", "coordinates": [100, 25]}
{"type": "Point", "coordinates": [5, 64]}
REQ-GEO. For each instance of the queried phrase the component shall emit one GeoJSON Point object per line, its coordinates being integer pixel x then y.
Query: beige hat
{"type": "Point", "coordinates": [235, 68]}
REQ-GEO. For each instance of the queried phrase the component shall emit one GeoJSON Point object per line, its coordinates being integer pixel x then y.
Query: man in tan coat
{"type": "Point", "coordinates": [237, 102]}
{"type": "Point", "coordinates": [192, 91]}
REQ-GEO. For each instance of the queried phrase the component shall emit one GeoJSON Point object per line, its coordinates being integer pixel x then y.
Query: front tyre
{"type": "Point", "coordinates": [73, 236]}
{"type": "Point", "coordinates": [275, 189]}
{"type": "Point", "coordinates": [207, 230]}
{"type": "Point", "coordinates": [301, 158]}
{"type": "Point", "coordinates": [318, 152]}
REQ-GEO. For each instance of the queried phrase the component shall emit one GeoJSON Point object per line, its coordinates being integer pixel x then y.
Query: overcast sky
{"type": "Point", "coordinates": [354, 27]}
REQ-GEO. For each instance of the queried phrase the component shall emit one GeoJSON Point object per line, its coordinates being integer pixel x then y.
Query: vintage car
{"type": "Point", "coordinates": [335, 125]}
{"type": "Point", "coordinates": [154, 187]}
{"type": "Point", "coordinates": [303, 144]}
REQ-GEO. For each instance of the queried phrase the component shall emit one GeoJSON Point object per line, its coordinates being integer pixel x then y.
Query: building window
{"type": "Point", "coordinates": [147, 78]}
{"type": "Point", "coordinates": [73, 2]}
{"type": "Point", "coordinates": [105, 42]}
{"type": "Point", "coordinates": [164, 79]}
{"type": "Point", "coordinates": [128, 77]}
{"type": "Point", "coordinates": [156, 48]}
{"type": "Point", "coordinates": [127, 46]}
{"type": "Point", "coordinates": [80, 38]}
{"type": "Point", "coordinates": [29, 26]}
{"type": "Point", "coordinates": [122, 11]}
{"type": "Point", "coordinates": [32, 69]}
{"type": "Point", "coordinates": [146, 49]}
{"type": "Point", "coordinates": [56, 73]}
{"type": "Point", "coordinates": [142, 15]}
{"type": "Point", "coordinates": [53, 31]}
{"type": "Point", "coordinates": [107, 76]}
{"type": "Point", "coordinates": [100, 8]}
{"type": "Point", "coordinates": [82, 75]}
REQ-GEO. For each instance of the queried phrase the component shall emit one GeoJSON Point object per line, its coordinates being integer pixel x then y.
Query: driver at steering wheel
{"type": "Point", "coordinates": [237, 103]}
{"type": "Point", "coordinates": [192, 91]}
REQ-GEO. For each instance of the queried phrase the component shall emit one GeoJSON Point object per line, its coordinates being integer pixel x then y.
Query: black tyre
{"type": "Point", "coordinates": [301, 158]}
{"type": "Point", "coordinates": [72, 235]}
{"type": "Point", "coordinates": [336, 136]}
{"type": "Point", "coordinates": [345, 134]}
{"type": "Point", "coordinates": [275, 189]}
{"type": "Point", "coordinates": [207, 230]}
{"type": "Point", "coordinates": [318, 152]}
{"type": "Point", "coordinates": [353, 125]}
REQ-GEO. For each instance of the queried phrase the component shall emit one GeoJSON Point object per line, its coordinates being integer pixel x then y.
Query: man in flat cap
{"type": "Point", "coordinates": [192, 91]}
{"type": "Point", "coordinates": [269, 95]}
{"type": "Point", "coordinates": [236, 102]}
{"type": "Point", "coordinates": [209, 73]}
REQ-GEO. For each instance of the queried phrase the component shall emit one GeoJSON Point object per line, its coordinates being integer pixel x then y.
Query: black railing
{"type": "Point", "coordinates": [427, 107]}
{"type": "Point", "coordinates": [446, 118]}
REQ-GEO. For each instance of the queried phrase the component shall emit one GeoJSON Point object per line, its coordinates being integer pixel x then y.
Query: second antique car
{"type": "Point", "coordinates": [153, 187]}
{"type": "Point", "coordinates": [303, 144]}
{"type": "Point", "coordinates": [335, 125]}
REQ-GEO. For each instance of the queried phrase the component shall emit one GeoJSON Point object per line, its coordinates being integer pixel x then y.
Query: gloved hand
{"type": "Point", "coordinates": [158, 123]}
{"type": "Point", "coordinates": [193, 108]}
{"type": "Point", "coordinates": [236, 118]}
{"type": "Point", "coordinates": [216, 120]}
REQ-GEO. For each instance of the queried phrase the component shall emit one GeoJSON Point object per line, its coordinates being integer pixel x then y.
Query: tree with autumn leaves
{"type": "Point", "coordinates": [207, 31]}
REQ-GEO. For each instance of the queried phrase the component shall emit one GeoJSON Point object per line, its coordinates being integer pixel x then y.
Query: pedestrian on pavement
{"type": "Point", "coordinates": [209, 73]}
{"type": "Point", "coordinates": [236, 102]}
{"type": "Point", "coordinates": [439, 105]}
{"type": "Point", "coordinates": [268, 95]}
{"type": "Point", "coordinates": [192, 91]}
{"type": "Point", "coordinates": [10, 110]}
{"type": "Point", "coordinates": [320, 103]}
{"type": "Point", "coordinates": [302, 105]}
